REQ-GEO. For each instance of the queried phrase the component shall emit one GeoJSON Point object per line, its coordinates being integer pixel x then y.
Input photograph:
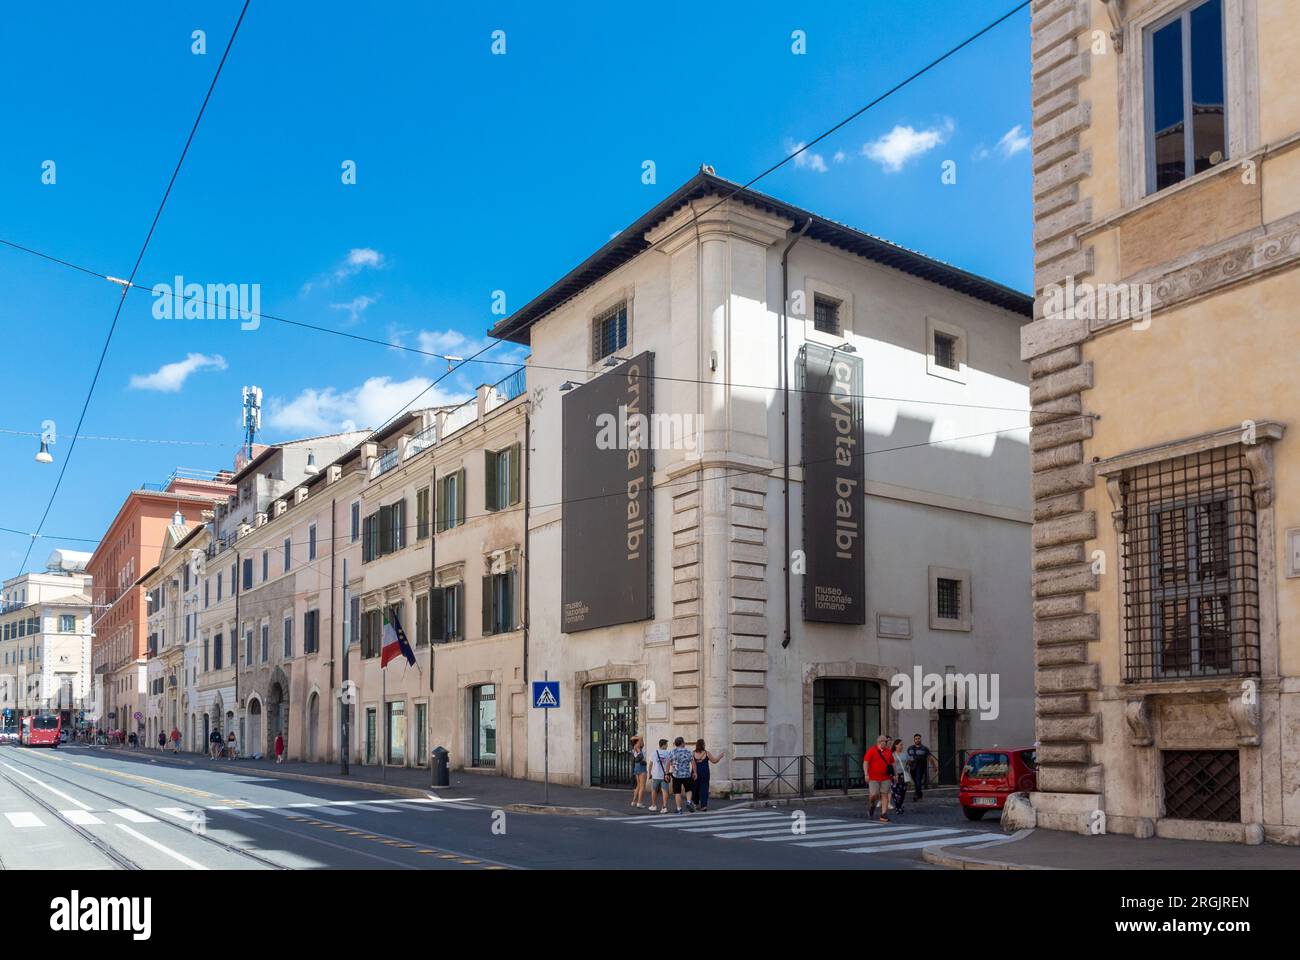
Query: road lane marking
{"type": "Point", "coordinates": [162, 848]}
{"type": "Point", "coordinates": [135, 816]}
{"type": "Point", "coordinates": [81, 818]}
{"type": "Point", "coordinates": [913, 833]}
{"type": "Point", "coordinates": [944, 841]}
{"type": "Point", "coordinates": [58, 793]}
{"type": "Point", "coordinates": [24, 818]}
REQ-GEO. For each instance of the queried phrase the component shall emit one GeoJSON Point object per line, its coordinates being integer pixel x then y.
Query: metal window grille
{"type": "Point", "coordinates": [1191, 597]}
{"type": "Point", "coordinates": [948, 599]}
{"type": "Point", "coordinates": [826, 314]}
{"type": "Point", "coordinates": [945, 351]}
{"type": "Point", "coordinates": [1202, 785]}
{"type": "Point", "coordinates": [609, 332]}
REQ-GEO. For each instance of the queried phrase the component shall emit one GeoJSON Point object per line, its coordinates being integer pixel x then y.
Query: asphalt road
{"type": "Point", "coordinates": [81, 808]}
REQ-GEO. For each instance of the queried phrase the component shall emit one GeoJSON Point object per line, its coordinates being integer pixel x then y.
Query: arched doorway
{"type": "Point", "coordinates": [613, 722]}
{"type": "Point", "coordinates": [254, 726]}
{"type": "Point", "coordinates": [313, 721]}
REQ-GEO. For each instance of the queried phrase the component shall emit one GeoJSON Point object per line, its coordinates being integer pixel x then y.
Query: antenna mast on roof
{"type": "Point", "coordinates": [252, 416]}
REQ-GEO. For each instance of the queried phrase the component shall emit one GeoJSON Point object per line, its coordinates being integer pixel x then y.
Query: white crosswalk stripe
{"type": "Point", "coordinates": [834, 835]}
{"type": "Point", "coordinates": [135, 816]}
{"type": "Point", "coordinates": [24, 818]}
{"type": "Point", "coordinates": [83, 818]}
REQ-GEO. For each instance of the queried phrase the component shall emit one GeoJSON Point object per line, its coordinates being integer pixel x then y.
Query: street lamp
{"type": "Point", "coordinates": [43, 455]}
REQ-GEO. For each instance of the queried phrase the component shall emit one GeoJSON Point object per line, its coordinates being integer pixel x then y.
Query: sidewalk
{"type": "Point", "coordinates": [487, 788]}
{"type": "Point", "coordinates": [1058, 850]}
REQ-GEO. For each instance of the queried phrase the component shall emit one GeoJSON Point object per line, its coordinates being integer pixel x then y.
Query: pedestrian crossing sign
{"type": "Point", "coordinates": [546, 694]}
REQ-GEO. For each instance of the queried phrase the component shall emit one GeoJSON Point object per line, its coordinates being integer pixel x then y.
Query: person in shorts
{"type": "Point", "coordinates": [659, 777]}
{"type": "Point", "coordinates": [682, 768]}
{"type": "Point", "coordinates": [878, 768]}
{"type": "Point", "coordinates": [637, 748]}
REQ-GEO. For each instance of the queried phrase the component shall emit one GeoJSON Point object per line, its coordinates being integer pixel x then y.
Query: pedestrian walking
{"type": "Point", "coordinates": [878, 768]}
{"type": "Point", "coordinates": [230, 745]}
{"type": "Point", "coordinates": [176, 740]}
{"type": "Point", "coordinates": [659, 777]}
{"type": "Point", "coordinates": [637, 747]}
{"type": "Point", "coordinates": [901, 778]}
{"type": "Point", "coordinates": [682, 769]}
{"type": "Point", "coordinates": [162, 740]}
{"type": "Point", "coordinates": [279, 748]}
{"type": "Point", "coordinates": [702, 759]}
{"type": "Point", "coordinates": [214, 743]}
{"type": "Point", "coordinates": [920, 759]}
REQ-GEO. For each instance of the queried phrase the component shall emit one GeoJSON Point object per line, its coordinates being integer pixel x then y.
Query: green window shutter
{"type": "Point", "coordinates": [487, 606]}
{"type": "Point", "coordinates": [399, 524]}
{"type": "Point", "coordinates": [514, 474]}
{"type": "Point", "coordinates": [437, 615]}
{"type": "Point", "coordinates": [440, 505]}
{"type": "Point", "coordinates": [460, 496]}
{"type": "Point", "coordinates": [511, 584]}
{"type": "Point", "coordinates": [490, 480]}
{"type": "Point", "coordinates": [458, 604]}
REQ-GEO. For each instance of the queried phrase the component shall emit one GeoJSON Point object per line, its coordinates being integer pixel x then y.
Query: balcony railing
{"type": "Point", "coordinates": [462, 416]}
{"type": "Point", "coordinates": [422, 441]}
{"type": "Point", "coordinates": [506, 389]}
{"type": "Point", "coordinates": [384, 463]}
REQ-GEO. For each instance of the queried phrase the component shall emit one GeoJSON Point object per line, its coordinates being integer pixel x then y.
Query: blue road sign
{"type": "Point", "coordinates": [546, 694]}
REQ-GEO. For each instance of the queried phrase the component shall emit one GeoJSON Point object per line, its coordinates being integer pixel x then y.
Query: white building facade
{"type": "Point", "coordinates": [700, 640]}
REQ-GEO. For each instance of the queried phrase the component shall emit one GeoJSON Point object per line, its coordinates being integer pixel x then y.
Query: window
{"type": "Point", "coordinates": [356, 521]}
{"type": "Point", "coordinates": [266, 641]}
{"type": "Point", "coordinates": [206, 584]}
{"type": "Point", "coordinates": [950, 602]}
{"type": "Point", "coordinates": [826, 314]}
{"type": "Point", "coordinates": [286, 555]}
{"type": "Point", "coordinates": [311, 631]}
{"type": "Point", "coordinates": [945, 350]}
{"type": "Point", "coordinates": [451, 500]}
{"type": "Point", "coordinates": [288, 637]}
{"type": "Point", "coordinates": [205, 655]}
{"type": "Point", "coordinates": [311, 542]}
{"type": "Point", "coordinates": [501, 478]}
{"type": "Point", "coordinates": [1186, 119]}
{"type": "Point", "coordinates": [248, 574]}
{"type": "Point", "coordinates": [372, 633]}
{"type": "Point", "coordinates": [609, 332]}
{"type": "Point", "coordinates": [248, 647]}
{"type": "Point", "coordinates": [354, 627]}
{"type": "Point", "coordinates": [216, 652]}
{"type": "Point", "coordinates": [446, 612]}
{"type": "Point", "coordinates": [218, 588]}
{"type": "Point", "coordinates": [370, 734]}
{"type": "Point", "coordinates": [1191, 596]}
{"type": "Point", "coordinates": [266, 565]}
{"type": "Point", "coordinates": [67, 623]}
{"type": "Point", "coordinates": [421, 513]}
{"type": "Point", "coordinates": [385, 531]}
{"type": "Point", "coordinates": [185, 578]}
{"type": "Point", "coordinates": [498, 603]}
{"type": "Point", "coordinates": [234, 578]}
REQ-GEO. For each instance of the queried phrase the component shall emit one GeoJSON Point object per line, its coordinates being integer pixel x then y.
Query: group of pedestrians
{"type": "Point", "coordinates": [174, 737]}
{"type": "Point", "coordinates": [683, 771]}
{"type": "Point", "coordinates": [889, 770]}
{"type": "Point", "coordinates": [219, 747]}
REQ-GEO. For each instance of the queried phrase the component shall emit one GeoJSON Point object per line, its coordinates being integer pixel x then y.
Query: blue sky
{"type": "Point", "coordinates": [475, 173]}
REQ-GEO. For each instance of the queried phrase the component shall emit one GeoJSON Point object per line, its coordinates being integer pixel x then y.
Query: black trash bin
{"type": "Point", "coordinates": [441, 774]}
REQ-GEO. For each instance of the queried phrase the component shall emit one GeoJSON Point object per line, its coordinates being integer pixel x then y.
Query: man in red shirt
{"type": "Point", "coordinates": [878, 768]}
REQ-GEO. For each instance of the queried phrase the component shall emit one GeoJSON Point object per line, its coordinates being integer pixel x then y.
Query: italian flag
{"type": "Point", "coordinates": [395, 644]}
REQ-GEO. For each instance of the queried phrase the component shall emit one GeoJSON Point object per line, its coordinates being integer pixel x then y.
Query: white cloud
{"type": "Point", "coordinates": [904, 143]}
{"type": "Point", "coordinates": [807, 159]}
{"type": "Point", "coordinates": [840, 156]}
{"type": "Point", "coordinates": [358, 259]}
{"type": "Point", "coordinates": [1013, 141]}
{"type": "Point", "coordinates": [326, 410]}
{"type": "Point", "coordinates": [170, 377]}
{"type": "Point", "coordinates": [354, 307]}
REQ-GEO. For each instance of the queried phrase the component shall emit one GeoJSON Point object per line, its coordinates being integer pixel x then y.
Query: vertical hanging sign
{"type": "Point", "coordinates": [834, 586]}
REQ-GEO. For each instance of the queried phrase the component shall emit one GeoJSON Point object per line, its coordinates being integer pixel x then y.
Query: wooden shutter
{"type": "Point", "coordinates": [514, 474]}
{"type": "Point", "coordinates": [490, 480]}
{"type": "Point", "coordinates": [512, 584]}
{"type": "Point", "coordinates": [440, 507]}
{"type": "Point", "coordinates": [487, 606]}
{"type": "Point", "coordinates": [437, 615]}
{"type": "Point", "coordinates": [385, 530]}
{"type": "Point", "coordinates": [460, 496]}
{"type": "Point", "coordinates": [399, 524]}
{"type": "Point", "coordinates": [458, 605]}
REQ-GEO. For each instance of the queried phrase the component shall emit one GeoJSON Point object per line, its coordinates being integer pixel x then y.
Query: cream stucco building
{"type": "Point", "coordinates": [1166, 476]}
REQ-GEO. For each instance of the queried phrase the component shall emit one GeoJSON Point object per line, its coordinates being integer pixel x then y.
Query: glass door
{"type": "Point", "coordinates": [613, 723]}
{"type": "Point", "coordinates": [846, 721]}
{"type": "Point", "coordinates": [483, 710]}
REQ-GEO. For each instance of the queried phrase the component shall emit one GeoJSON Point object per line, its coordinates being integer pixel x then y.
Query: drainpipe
{"type": "Point", "coordinates": [334, 549]}
{"type": "Point", "coordinates": [433, 585]}
{"type": "Point", "coordinates": [528, 566]}
{"type": "Point", "coordinates": [785, 414]}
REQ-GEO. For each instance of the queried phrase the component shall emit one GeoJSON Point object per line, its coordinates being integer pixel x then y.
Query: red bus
{"type": "Point", "coordinates": [41, 730]}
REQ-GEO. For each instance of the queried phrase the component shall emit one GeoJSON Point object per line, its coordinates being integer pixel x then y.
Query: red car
{"type": "Point", "coordinates": [991, 775]}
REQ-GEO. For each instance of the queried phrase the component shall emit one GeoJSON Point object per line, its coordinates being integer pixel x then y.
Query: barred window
{"type": "Point", "coordinates": [609, 332]}
{"type": "Point", "coordinates": [1191, 596]}
{"type": "Point", "coordinates": [826, 314]}
{"type": "Point", "coordinates": [949, 599]}
{"type": "Point", "coordinates": [945, 351]}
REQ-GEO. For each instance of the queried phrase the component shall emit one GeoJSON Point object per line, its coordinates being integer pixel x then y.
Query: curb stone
{"type": "Point", "coordinates": [943, 857]}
